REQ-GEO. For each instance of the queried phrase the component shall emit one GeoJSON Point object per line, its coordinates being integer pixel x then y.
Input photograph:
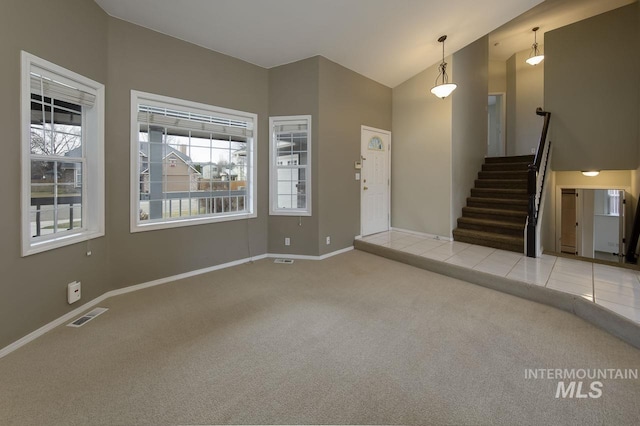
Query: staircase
{"type": "Point", "coordinates": [496, 212]}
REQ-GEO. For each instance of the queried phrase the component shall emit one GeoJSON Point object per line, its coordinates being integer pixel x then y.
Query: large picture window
{"type": "Point", "coordinates": [290, 170]}
{"type": "Point", "coordinates": [62, 156]}
{"type": "Point", "coordinates": [191, 163]}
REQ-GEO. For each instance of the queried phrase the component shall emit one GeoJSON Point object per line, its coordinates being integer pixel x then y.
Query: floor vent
{"type": "Point", "coordinates": [287, 261]}
{"type": "Point", "coordinates": [87, 317]}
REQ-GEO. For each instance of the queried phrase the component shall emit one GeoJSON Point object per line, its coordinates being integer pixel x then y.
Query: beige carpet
{"type": "Point", "coordinates": [352, 339]}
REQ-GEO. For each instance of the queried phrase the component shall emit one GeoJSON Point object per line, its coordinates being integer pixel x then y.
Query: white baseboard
{"type": "Point", "coordinates": [422, 234]}
{"type": "Point", "coordinates": [81, 309]}
{"type": "Point", "coordinates": [306, 257]}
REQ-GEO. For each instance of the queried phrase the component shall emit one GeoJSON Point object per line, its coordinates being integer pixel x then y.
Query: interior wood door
{"type": "Point", "coordinates": [568, 235]}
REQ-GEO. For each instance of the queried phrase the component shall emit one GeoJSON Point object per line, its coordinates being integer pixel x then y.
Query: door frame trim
{"type": "Point", "coordinates": [558, 204]}
{"type": "Point", "coordinates": [388, 133]}
{"type": "Point", "coordinates": [503, 121]}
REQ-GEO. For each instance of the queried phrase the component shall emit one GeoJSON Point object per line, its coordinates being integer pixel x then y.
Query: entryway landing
{"type": "Point", "coordinates": [614, 288]}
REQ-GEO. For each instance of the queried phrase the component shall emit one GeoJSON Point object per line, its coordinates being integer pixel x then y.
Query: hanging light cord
{"type": "Point", "coordinates": [535, 42]}
{"type": "Point", "coordinates": [443, 65]}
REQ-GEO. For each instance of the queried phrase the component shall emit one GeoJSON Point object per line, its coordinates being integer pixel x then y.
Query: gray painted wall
{"type": "Point", "coordinates": [469, 121]}
{"type": "Point", "coordinates": [421, 155]}
{"type": "Point", "coordinates": [595, 116]}
{"type": "Point", "coordinates": [340, 101]}
{"type": "Point", "coordinates": [73, 34]}
{"type": "Point", "coordinates": [347, 101]}
{"type": "Point", "coordinates": [145, 60]}
{"type": "Point", "coordinates": [497, 76]}
{"type": "Point", "coordinates": [293, 90]}
{"type": "Point", "coordinates": [591, 88]}
{"type": "Point", "coordinates": [525, 93]}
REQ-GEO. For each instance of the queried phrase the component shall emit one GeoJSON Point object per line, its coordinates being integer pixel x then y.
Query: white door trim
{"type": "Point", "coordinates": [503, 120]}
{"type": "Point", "coordinates": [362, 154]}
{"type": "Point", "coordinates": [558, 206]}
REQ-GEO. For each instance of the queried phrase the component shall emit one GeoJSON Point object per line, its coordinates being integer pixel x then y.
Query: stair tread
{"type": "Point", "coordinates": [502, 190]}
{"type": "Point", "coordinates": [510, 159]}
{"type": "Point", "coordinates": [502, 193]}
{"type": "Point", "coordinates": [500, 212]}
{"type": "Point", "coordinates": [524, 164]}
{"type": "Point", "coordinates": [498, 200]}
{"type": "Point", "coordinates": [502, 180]}
{"type": "Point", "coordinates": [489, 222]}
{"type": "Point", "coordinates": [499, 173]}
{"type": "Point", "coordinates": [486, 234]}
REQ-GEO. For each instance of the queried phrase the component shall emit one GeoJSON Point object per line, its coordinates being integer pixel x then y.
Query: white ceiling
{"type": "Point", "coordinates": [386, 40]}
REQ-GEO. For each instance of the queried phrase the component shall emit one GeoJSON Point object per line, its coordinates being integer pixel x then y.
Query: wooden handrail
{"type": "Point", "coordinates": [543, 137]}
{"type": "Point", "coordinates": [532, 184]}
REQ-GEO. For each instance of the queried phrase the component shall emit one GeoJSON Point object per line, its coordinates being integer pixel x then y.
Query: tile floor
{"type": "Point", "coordinates": [617, 289]}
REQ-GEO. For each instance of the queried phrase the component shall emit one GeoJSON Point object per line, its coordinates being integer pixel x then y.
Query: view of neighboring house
{"type": "Point", "coordinates": [181, 174]}
{"type": "Point", "coordinates": [178, 171]}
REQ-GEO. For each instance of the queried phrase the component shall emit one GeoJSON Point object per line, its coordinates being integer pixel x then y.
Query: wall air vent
{"type": "Point", "coordinates": [286, 261]}
{"type": "Point", "coordinates": [87, 317]}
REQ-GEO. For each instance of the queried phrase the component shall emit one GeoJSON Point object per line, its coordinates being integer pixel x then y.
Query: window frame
{"type": "Point", "coordinates": [612, 202]}
{"type": "Point", "coordinates": [151, 99]}
{"type": "Point", "coordinates": [273, 169]}
{"type": "Point", "coordinates": [93, 192]}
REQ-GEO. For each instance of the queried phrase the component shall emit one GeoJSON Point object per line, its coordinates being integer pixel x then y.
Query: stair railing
{"type": "Point", "coordinates": [537, 175]}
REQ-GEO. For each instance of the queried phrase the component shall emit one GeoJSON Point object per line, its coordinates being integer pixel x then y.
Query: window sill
{"type": "Point", "coordinates": [59, 242]}
{"type": "Point", "coordinates": [155, 226]}
{"type": "Point", "coordinates": [289, 212]}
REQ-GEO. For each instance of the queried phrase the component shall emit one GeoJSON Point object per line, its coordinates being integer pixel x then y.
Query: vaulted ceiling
{"type": "Point", "coordinates": [386, 40]}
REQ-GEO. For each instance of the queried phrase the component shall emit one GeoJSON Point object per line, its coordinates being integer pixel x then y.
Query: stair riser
{"type": "Point", "coordinates": [502, 175]}
{"type": "Point", "coordinates": [518, 159]}
{"type": "Point", "coordinates": [489, 243]}
{"type": "Point", "coordinates": [495, 229]}
{"type": "Point", "coordinates": [505, 167]}
{"type": "Point", "coordinates": [496, 194]}
{"type": "Point", "coordinates": [482, 183]}
{"type": "Point", "coordinates": [502, 206]}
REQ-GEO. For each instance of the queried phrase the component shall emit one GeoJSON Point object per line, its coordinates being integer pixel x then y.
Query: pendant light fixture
{"type": "Point", "coordinates": [445, 88]}
{"type": "Point", "coordinates": [535, 57]}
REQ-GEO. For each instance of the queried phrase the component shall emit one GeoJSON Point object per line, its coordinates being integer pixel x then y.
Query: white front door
{"type": "Point", "coordinates": [375, 185]}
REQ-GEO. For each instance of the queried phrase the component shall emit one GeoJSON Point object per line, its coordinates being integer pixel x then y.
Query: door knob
{"type": "Point", "coordinates": [365, 188]}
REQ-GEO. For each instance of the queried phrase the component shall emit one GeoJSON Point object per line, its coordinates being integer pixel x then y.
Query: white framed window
{"type": "Point", "coordinates": [191, 163]}
{"type": "Point", "coordinates": [62, 119]}
{"type": "Point", "coordinates": [290, 166]}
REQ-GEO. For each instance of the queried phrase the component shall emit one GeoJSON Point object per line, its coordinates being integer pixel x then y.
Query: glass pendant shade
{"type": "Point", "coordinates": [535, 60]}
{"type": "Point", "coordinates": [444, 90]}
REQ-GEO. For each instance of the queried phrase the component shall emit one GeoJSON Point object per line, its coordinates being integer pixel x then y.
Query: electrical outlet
{"type": "Point", "coordinates": [328, 240]}
{"type": "Point", "coordinates": [73, 292]}
{"type": "Point", "coordinates": [287, 241]}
